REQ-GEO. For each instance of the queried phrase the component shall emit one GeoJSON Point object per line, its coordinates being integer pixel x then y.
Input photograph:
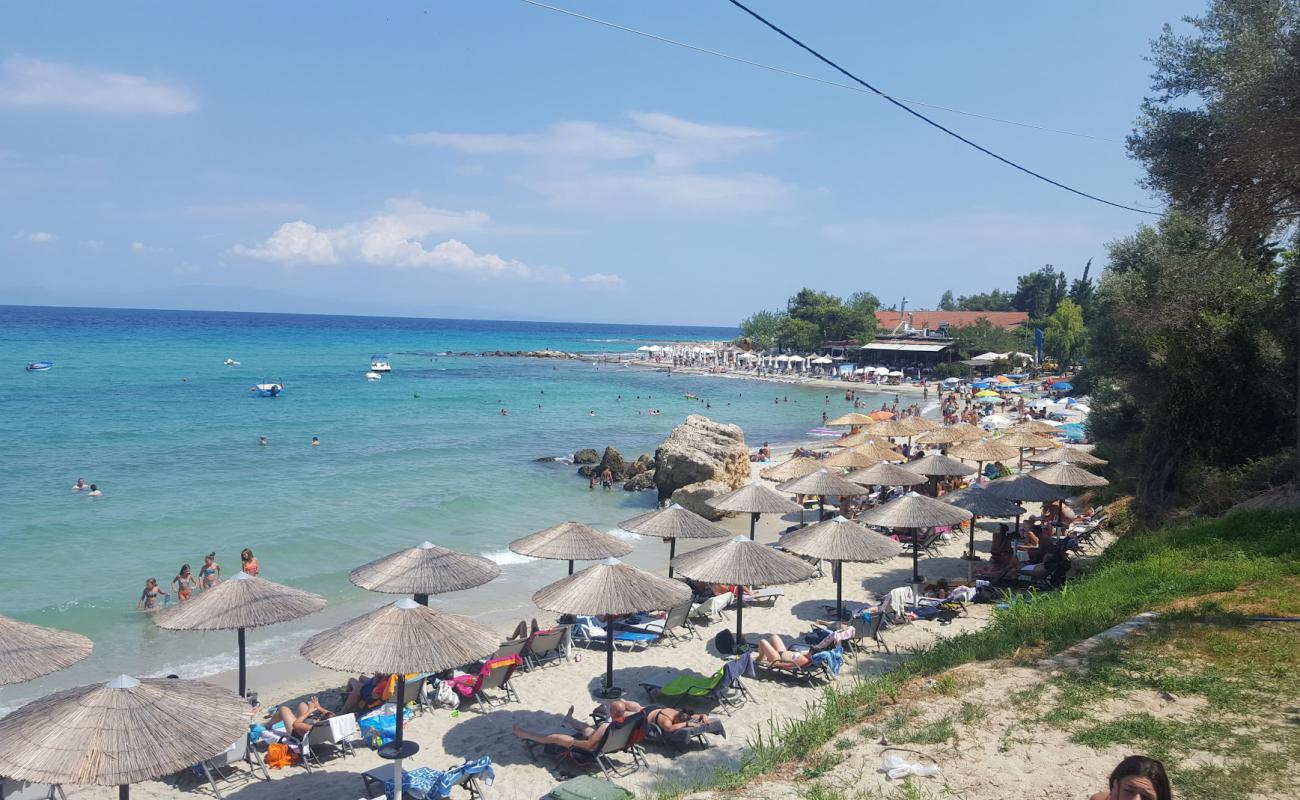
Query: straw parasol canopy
{"type": "Point", "coordinates": [1025, 440]}
{"type": "Point", "coordinates": [120, 732]}
{"type": "Point", "coordinates": [754, 499]}
{"type": "Point", "coordinates": [29, 651]}
{"type": "Point", "coordinates": [915, 511]}
{"type": "Point", "coordinates": [1067, 455]}
{"type": "Point", "coordinates": [742, 562]}
{"type": "Point", "coordinates": [241, 602]}
{"type": "Point", "coordinates": [791, 468]}
{"type": "Point", "coordinates": [673, 523]}
{"type": "Point", "coordinates": [881, 451]}
{"type": "Point", "coordinates": [840, 540]}
{"type": "Point", "coordinates": [887, 475]}
{"type": "Point", "coordinates": [981, 503]}
{"type": "Point", "coordinates": [400, 638]}
{"type": "Point", "coordinates": [1023, 488]}
{"type": "Point", "coordinates": [851, 418]}
{"type": "Point", "coordinates": [982, 451]}
{"type": "Point", "coordinates": [611, 588]}
{"type": "Point", "coordinates": [892, 428]}
{"type": "Point", "coordinates": [571, 541]}
{"type": "Point", "coordinates": [939, 466]}
{"type": "Point", "coordinates": [852, 458]}
{"type": "Point", "coordinates": [821, 483]}
{"type": "Point", "coordinates": [1035, 426]}
{"type": "Point", "coordinates": [1068, 475]}
{"type": "Point", "coordinates": [424, 570]}
{"type": "Point", "coordinates": [948, 435]}
{"type": "Point", "coordinates": [919, 424]}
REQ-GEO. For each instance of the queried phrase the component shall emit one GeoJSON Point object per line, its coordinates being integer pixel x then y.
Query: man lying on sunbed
{"type": "Point", "coordinates": [669, 720]}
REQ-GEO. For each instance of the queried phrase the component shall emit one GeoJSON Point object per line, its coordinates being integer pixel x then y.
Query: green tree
{"type": "Point", "coordinates": [798, 334]}
{"type": "Point", "coordinates": [761, 328]}
{"type": "Point", "coordinates": [1039, 292]}
{"type": "Point", "coordinates": [1065, 335]}
{"type": "Point", "coordinates": [946, 302]}
{"type": "Point", "coordinates": [1082, 291]}
{"type": "Point", "coordinates": [984, 337]}
{"type": "Point", "coordinates": [996, 300]}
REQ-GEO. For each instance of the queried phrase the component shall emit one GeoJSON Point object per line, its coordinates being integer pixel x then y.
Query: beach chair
{"type": "Point", "coordinates": [765, 597]}
{"type": "Point", "coordinates": [680, 739]}
{"type": "Point", "coordinates": [545, 646]}
{"type": "Point", "coordinates": [928, 544]}
{"type": "Point", "coordinates": [333, 735]}
{"type": "Point", "coordinates": [436, 786]}
{"type": "Point", "coordinates": [11, 789]}
{"type": "Point", "coordinates": [667, 627]}
{"type": "Point", "coordinates": [894, 609]}
{"type": "Point", "coordinates": [511, 647]}
{"type": "Point", "coordinates": [415, 689]}
{"type": "Point", "coordinates": [221, 767]}
{"type": "Point", "coordinates": [724, 687]}
{"type": "Point", "coordinates": [493, 675]}
{"type": "Point", "coordinates": [713, 607]}
{"type": "Point", "coordinates": [873, 629]}
{"type": "Point", "coordinates": [625, 736]}
{"type": "Point", "coordinates": [588, 631]}
{"type": "Point", "coordinates": [812, 674]}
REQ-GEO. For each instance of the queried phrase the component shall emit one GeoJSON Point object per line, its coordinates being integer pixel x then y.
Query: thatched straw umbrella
{"type": "Point", "coordinates": [791, 468]}
{"type": "Point", "coordinates": [919, 424]}
{"type": "Point", "coordinates": [891, 428]}
{"type": "Point", "coordinates": [840, 540]}
{"type": "Point", "coordinates": [424, 570]}
{"type": "Point", "coordinates": [121, 732]}
{"type": "Point", "coordinates": [742, 562]}
{"type": "Point", "coordinates": [1035, 426]}
{"type": "Point", "coordinates": [611, 588]}
{"type": "Point", "coordinates": [401, 638]}
{"type": "Point", "coordinates": [571, 541]}
{"type": "Point", "coordinates": [1024, 440]}
{"type": "Point", "coordinates": [937, 466]}
{"type": "Point", "coordinates": [673, 523]}
{"type": "Point", "coordinates": [982, 503]}
{"type": "Point", "coordinates": [754, 499]}
{"type": "Point", "coordinates": [948, 435]}
{"type": "Point", "coordinates": [1023, 488]}
{"type": "Point", "coordinates": [915, 511]}
{"type": "Point", "coordinates": [821, 483]}
{"type": "Point", "coordinates": [982, 451]}
{"type": "Point", "coordinates": [241, 602]}
{"type": "Point", "coordinates": [1067, 455]}
{"type": "Point", "coordinates": [852, 418]}
{"type": "Point", "coordinates": [29, 651]}
{"type": "Point", "coordinates": [851, 458]}
{"type": "Point", "coordinates": [1066, 475]}
{"type": "Point", "coordinates": [852, 440]}
{"type": "Point", "coordinates": [885, 474]}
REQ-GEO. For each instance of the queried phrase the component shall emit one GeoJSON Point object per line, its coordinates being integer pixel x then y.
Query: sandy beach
{"type": "Point", "coordinates": [548, 692]}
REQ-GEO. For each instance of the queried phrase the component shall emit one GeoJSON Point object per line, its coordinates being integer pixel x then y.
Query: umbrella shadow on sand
{"type": "Point", "coordinates": [896, 576]}
{"type": "Point", "coordinates": [489, 733]}
{"type": "Point", "coordinates": [318, 783]}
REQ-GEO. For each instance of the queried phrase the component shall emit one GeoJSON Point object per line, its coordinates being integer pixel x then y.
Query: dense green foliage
{"type": "Point", "coordinates": [813, 317]}
{"type": "Point", "coordinates": [1064, 334]}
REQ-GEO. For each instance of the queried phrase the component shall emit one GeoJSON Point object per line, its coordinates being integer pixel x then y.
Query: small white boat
{"type": "Point", "coordinates": [268, 389]}
{"type": "Point", "coordinates": [39, 366]}
{"type": "Point", "coordinates": [373, 376]}
{"type": "Point", "coordinates": [380, 364]}
{"type": "Point", "coordinates": [230, 362]}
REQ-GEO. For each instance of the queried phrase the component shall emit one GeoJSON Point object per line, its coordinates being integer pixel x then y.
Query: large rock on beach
{"type": "Point", "coordinates": [701, 450]}
{"type": "Point", "coordinates": [613, 461]}
{"type": "Point", "coordinates": [692, 496]}
{"type": "Point", "coordinates": [587, 455]}
{"type": "Point", "coordinates": [641, 481]}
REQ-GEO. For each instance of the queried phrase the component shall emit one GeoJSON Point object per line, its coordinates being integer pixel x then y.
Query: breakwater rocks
{"type": "Point", "coordinates": [701, 459]}
{"type": "Point", "coordinates": [560, 354]}
{"type": "Point", "coordinates": [634, 475]}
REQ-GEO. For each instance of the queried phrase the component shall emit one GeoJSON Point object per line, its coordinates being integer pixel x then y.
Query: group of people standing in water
{"type": "Point", "coordinates": [186, 583]}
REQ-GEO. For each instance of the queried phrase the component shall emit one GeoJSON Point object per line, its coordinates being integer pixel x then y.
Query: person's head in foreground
{"type": "Point", "coordinates": [1137, 778]}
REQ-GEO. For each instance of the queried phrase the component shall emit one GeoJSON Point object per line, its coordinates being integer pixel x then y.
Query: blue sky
{"type": "Point", "coordinates": [493, 157]}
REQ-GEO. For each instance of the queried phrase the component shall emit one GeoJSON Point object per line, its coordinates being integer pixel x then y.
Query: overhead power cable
{"type": "Point", "coordinates": [813, 78]}
{"type": "Point", "coordinates": [931, 122]}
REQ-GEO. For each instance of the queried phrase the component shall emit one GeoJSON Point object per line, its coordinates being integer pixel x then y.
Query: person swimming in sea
{"type": "Point", "coordinates": [315, 441]}
{"type": "Point", "coordinates": [149, 597]}
{"type": "Point", "coordinates": [261, 440]}
{"type": "Point", "coordinates": [249, 561]}
{"type": "Point", "coordinates": [79, 485]}
{"type": "Point", "coordinates": [184, 583]}
{"type": "Point", "coordinates": [210, 572]}
{"type": "Point", "coordinates": [94, 491]}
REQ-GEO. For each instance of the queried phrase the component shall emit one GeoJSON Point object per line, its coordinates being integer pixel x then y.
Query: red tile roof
{"type": "Point", "coordinates": [887, 320]}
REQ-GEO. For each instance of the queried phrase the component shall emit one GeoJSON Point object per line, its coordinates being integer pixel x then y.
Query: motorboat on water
{"type": "Point", "coordinates": [268, 389]}
{"type": "Point", "coordinates": [380, 364]}
{"type": "Point", "coordinates": [230, 362]}
{"type": "Point", "coordinates": [39, 366]}
{"type": "Point", "coordinates": [373, 376]}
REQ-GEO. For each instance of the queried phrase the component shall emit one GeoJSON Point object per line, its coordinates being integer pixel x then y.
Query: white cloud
{"type": "Point", "coordinates": [396, 238]}
{"type": "Point", "coordinates": [141, 247]}
{"type": "Point", "coordinates": [35, 237]}
{"type": "Point", "coordinates": [654, 159]}
{"type": "Point", "coordinates": [31, 83]}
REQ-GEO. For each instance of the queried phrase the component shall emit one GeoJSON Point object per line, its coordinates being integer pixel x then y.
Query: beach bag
{"type": "Point", "coordinates": [279, 755]}
{"type": "Point", "coordinates": [444, 697]}
{"type": "Point", "coordinates": [379, 727]}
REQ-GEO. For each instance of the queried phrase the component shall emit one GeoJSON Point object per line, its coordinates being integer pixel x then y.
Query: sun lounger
{"type": "Point", "coordinates": [511, 647]}
{"type": "Point", "coordinates": [493, 675]}
{"type": "Point", "coordinates": [667, 627]}
{"type": "Point", "coordinates": [723, 687]}
{"type": "Point", "coordinates": [435, 784]}
{"type": "Point", "coordinates": [545, 646]}
{"type": "Point", "coordinates": [766, 597]}
{"type": "Point", "coordinates": [588, 631]}
{"type": "Point", "coordinates": [220, 767]}
{"type": "Point", "coordinates": [896, 603]}
{"type": "Point", "coordinates": [818, 671]}
{"type": "Point", "coordinates": [714, 606]}
{"type": "Point", "coordinates": [679, 739]}
{"type": "Point", "coordinates": [11, 789]}
{"type": "Point", "coordinates": [625, 736]}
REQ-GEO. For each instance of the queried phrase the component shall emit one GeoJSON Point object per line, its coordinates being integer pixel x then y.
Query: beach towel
{"type": "Point", "coordinates": [380, 725]}
{"type": "Point", "coordinates": [897, 601]}
{"type": "Point", "coordinates": [830, 658]}
{"type": "Point", "coordinates": [962, 594]}
{"type": "Point", "coordinates": [446, 781]}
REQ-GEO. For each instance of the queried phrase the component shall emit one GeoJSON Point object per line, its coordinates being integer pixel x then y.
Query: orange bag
{"type": "Point", "coordinates": [279, 755]}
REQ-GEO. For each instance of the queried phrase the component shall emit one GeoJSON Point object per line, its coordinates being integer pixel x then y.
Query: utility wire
{"type": "Point", "coordinates": [813, 78]}
{"type": "Point", "coordinates": [931, 122]}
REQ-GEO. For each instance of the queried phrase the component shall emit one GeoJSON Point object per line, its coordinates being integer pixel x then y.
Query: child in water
{"type": "Point", "coordinates": [249, 561]}
{"type": "Point", "coordinates": [210, 574]}
{"type": "Point", "coordinates": [184, 583]}
{"type": "Point", "coordinates": [149, 597]}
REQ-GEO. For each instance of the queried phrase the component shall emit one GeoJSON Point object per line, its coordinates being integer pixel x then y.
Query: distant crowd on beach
{"type": "Point", "coordinates": [185, 584]}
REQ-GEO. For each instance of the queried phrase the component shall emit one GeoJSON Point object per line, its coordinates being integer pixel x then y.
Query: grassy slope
{"type": "Point", "coordinates": [1137, 573]}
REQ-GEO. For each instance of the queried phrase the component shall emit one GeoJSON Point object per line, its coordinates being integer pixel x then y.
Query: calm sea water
{"type": "Point", "coordinates": [422, 454]}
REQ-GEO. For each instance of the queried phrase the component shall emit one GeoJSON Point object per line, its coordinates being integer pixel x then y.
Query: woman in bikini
{"type": "Point", "coordinates": [772, 651]}
{"type": "Point", "coordinates": [184, 583]}
{"type": "Point", "coordinates": [249, 561]}
{"type": "Point", "coordinates": [210, 573]}
{"type": "Point", "coordinates": [149, 597]}
{"type": "Point", "coordinates": [301, 723]}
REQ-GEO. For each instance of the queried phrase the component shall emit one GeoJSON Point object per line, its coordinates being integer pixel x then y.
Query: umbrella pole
{"type": "Point", "coordinates": [753, 521]}
{"type": "Point", "coordinates": [124, 792]}
{"type": "Point", "coordinates": [242, 685]}
{"type": "Point", "coordinates": [916, 539]}
{"type": "Point", "coordinates": [422, 599]}
{"type": "Point", "coordinates": [971, 553]}
{"type": "Point", "coordinates": [570, 566]}
{"type": "Point", "coordinates": [609, 657]}
{"type": "Point", "coordinates": [839, 590]}
{"type": "Point", "coordinates": [740, 615]}
{"type": "Point", "coordinates": [397, 740]}
{"type": "Point", "coordinates": [672, 553]}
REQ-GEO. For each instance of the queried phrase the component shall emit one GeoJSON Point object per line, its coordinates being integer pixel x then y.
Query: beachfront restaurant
{"type": "Point", "coordinates": [905, 353]}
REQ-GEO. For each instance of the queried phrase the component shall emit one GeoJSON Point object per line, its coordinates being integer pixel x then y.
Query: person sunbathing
{"type": "Point", "coordinates": [590, 740]}
{"type": "Point", "coordinates": [364, 692]}
{"type": "Point", "coordinates": [773, 652]}
{"type": "Point", "coordinates": [306, 717]}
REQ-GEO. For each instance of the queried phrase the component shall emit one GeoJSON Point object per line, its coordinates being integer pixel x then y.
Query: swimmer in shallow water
{"type": "Point", "coordinates": [210, 573]}
{"type": "Point", "coordinates": [94, 491]}
{"type": "Point", "coordinates": [315, 441]}
{"type": "Point", "coordinates": [79, 485]}
{"type": "Point", "coordinates": [184, 583]}
{"type": "Point", "coordinates": [149, 597]}
{"type": "Point", "coordinates": [261, 440]}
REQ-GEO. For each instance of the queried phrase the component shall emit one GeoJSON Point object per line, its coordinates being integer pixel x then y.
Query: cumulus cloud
{"type": "Point", "coordinates": [653, 159]}
{"type": "Point", "coordinates": [141, 247]}
{"type": "Point", "coordinates": [35, 237]}
{"type": "Point", "coordinates": [396, 238]}
{"type": "Point", "coordinates": [31, 83]}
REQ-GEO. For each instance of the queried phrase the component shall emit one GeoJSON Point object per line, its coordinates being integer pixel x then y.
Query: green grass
{"type": "Point", "coordinates": [1137, 573]}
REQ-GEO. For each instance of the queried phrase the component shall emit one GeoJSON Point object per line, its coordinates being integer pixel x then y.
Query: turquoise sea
{"type": "Point", "coordinates": [139, 402]}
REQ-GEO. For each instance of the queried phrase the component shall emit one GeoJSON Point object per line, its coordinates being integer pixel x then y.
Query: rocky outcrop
{"type": "Point", "coordinates": [613, 461]}
{"type": "Point", "coordinates": [692, 497]}
{"type": "Point", "coordinates": [587, 455]}
{"type": "Point", "coordinates": [528, 354]}
{"type": "Point", "coordinates": [701, 450]}
{"type": "Point", "coordinates": [641, 481]}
